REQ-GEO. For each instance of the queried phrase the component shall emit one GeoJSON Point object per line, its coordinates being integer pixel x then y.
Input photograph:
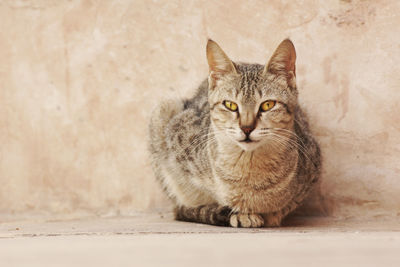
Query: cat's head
{"type": "Point", "coordinates": [252, 103]}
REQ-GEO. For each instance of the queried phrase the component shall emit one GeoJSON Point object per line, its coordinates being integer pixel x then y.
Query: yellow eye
{"type": "Point", "coordinates": [267, 105]}
{"type": "Point", "coordinates": [230, 105]}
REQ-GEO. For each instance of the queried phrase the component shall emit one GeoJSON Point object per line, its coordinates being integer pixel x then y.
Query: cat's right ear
{"type": "Point", "coordinates": [218, 62]}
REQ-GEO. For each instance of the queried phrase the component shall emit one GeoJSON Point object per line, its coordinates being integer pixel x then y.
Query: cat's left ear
{"type": "Point", "coordinates": [283, 62]}
{"type": "Point", "coordinates": [218, 62]}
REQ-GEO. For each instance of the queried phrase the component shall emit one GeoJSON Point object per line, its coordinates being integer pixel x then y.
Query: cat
{"type": "Point", "coordinates": [240, 152]}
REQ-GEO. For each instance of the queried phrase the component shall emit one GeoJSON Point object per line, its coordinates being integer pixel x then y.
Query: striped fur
{"type": "Point", "coordinates": [213, 214]}
{"type": "Point", "coordinates": [242, 168]}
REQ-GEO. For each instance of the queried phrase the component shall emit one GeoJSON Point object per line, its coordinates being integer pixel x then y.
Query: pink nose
{"type": "Point", "coordinates": [247, 129]}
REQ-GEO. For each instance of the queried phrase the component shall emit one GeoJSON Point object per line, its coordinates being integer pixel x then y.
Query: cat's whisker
{"type": "Point", "coordinates": [204, 162]}
{"type": "Point", "coordinates": [204, 137]}
{"type": "Point", "coordinates": [292, 138]}
{"type": "Point", "coordinates": [295, 144]}
{"type": "Point", "coordinates": [285, 131]}
{"type": "Point", "coordinates": [198, 142]}
{"type": "Point", "coordinates": [290, 132]}
{"type": "Point", "coordinates": [185, 152]}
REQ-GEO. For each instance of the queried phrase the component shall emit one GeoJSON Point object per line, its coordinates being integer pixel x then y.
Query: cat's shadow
{"type": "Point", "coordinates": [304, 221]}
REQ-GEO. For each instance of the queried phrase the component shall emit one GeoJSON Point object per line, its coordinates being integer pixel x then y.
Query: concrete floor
{"type": "Point", "coordinates": [157, 240]}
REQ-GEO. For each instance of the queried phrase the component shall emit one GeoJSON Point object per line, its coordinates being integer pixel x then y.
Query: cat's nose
{"type": "Point", "coordinates": [247, 129]}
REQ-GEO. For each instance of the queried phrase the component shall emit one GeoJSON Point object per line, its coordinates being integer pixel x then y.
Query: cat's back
{"type": "Point", "coordinates": [190, 125]}
{"type": "Point", "coordinates": [310, 153]}
{"type": "Point", "coordinates": [199, 102]}
{"type": "Point", "coordinates": [193, 120]}
{"type": "Point", "coordinates": [178, 134]}
{"type": "Point", "coordinates": [176, 123]}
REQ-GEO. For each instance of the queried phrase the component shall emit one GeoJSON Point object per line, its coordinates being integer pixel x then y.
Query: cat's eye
{"type": "Point", "coordinates": [267, 105]}
{"type": "Point", "coordinates": [232, 106]}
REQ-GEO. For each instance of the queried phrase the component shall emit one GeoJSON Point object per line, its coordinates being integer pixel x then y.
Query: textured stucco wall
{"type": "Point", "coordinates": [78, 80]}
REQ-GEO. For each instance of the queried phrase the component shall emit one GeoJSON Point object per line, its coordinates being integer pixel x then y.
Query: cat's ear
{"type": "Point", "coordinates": [218, 62]}
{"type": "Point", "coordinates": [283, 62]}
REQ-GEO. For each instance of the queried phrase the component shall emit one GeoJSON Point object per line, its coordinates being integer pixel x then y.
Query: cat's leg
{"type": "Point", "coordinates": [274, 219]}
{"type": "Point", "coordinates": [246, 220]}
{"type": "Point", "coordinates": [213, 214]}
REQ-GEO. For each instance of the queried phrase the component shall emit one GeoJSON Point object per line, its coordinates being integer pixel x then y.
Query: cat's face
{"type": "Point", "coordinates": [250, 103]}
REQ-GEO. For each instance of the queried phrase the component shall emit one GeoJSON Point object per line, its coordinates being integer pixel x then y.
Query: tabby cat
{"type": "Point", "coordinates": [240, 152]}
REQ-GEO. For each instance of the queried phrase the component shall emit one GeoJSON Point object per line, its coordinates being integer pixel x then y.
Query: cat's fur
{"type": "Point", "coordinates": [201, 157]}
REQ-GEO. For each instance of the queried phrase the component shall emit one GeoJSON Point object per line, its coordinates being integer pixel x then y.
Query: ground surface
{"type": "Point", "coordinates": [157, 240]}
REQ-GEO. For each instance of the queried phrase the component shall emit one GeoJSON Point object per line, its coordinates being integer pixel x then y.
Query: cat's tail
{"type": "Point", "coordinates": [213, 214]}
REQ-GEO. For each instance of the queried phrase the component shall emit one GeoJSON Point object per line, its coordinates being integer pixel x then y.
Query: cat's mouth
{"type": "Point", "coordinates": [248, 140]}
{"type": "Point", "coordinates": [248, 144]}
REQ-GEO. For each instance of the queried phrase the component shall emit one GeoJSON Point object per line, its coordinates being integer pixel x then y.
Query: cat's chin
{"type": "Point", "coordinates": [249, 146]}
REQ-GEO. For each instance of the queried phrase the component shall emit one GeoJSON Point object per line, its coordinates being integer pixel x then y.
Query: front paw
{"type": "Point", "coordinates": [246, 220]}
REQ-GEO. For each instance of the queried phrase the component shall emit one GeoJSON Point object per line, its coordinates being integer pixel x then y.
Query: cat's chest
{"type": "Point", "coordinates": [253, 179]}
{"type": "Point", "coordinates": [254, 168]}
{"type": "Point", "coordinates": [258, 192]}
{"type": "Point", "coordinates": [257, 184]}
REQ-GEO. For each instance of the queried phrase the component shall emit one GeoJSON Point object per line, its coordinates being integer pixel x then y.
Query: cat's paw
{"type": "Point", "coordinates": [221, 216]}
{"type": "Point", "coordinates": [246, 220]}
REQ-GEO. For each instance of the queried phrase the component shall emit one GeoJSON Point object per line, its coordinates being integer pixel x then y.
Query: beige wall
{"type": "Point", "coordinates": [78, 80]}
